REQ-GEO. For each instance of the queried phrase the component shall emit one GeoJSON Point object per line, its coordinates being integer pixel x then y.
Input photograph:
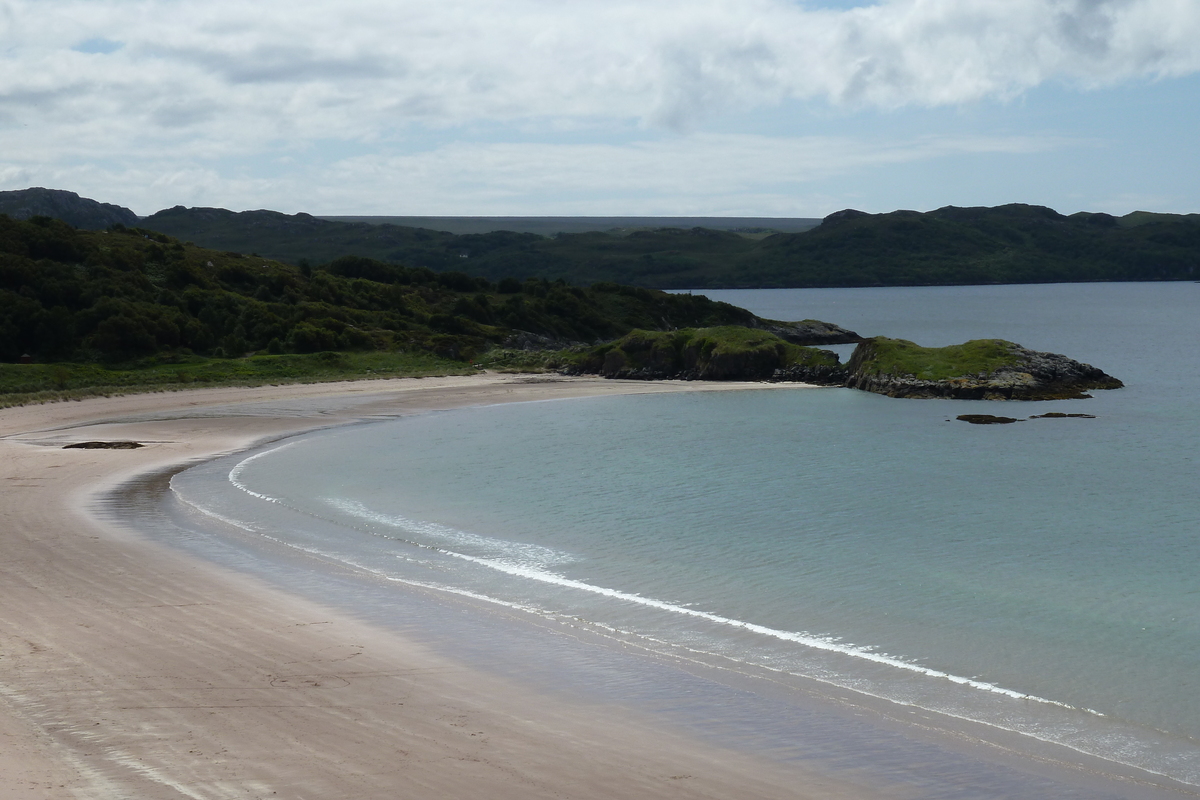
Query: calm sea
{"type": "Point", "coordinates": [1042, 577]}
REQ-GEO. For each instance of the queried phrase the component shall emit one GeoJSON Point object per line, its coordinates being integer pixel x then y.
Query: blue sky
{"type": "Point", "coordinates": [657, 107]}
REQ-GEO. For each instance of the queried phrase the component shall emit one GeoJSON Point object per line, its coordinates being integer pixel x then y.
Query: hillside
{"type": "Point", "coordinates": [1006, 244]}
{"type": "Point", "coordinates": [130, 293]}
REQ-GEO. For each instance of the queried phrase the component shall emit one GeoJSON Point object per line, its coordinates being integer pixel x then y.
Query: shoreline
{"type": "Point", "coordinates": [131, 668]}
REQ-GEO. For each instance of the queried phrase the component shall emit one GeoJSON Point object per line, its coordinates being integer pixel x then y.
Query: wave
{"type": "Point", "coordinates": [522, 553]}
{"type": "Point", "coordinates": [529, 561]}
{"type": "Point", "coordinates": [539, 564]}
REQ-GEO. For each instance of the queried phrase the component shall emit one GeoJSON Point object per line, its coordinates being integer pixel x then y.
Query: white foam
{"type": "Point", "coordinates": [529, 561]}
{"type": "Point", "coordinates": [521, 553]}
{"type": "Point", "coordinates": [805, 639]}
{"type": "Point", "coordinates": [236, 473]}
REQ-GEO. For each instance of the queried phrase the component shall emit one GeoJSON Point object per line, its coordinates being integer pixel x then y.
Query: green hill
{"type": "Point", "coordinates": [128, 293]}
{"type": "Point", "coordinates": [1006, 244]}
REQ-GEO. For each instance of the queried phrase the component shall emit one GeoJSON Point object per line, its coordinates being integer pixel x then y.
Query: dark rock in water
{"type": "Point", "coordinates": [103, 446]}
{"type": "Point", "coordinates": [1060, 415]}
{"type": "Point", "coordinates": [67, 206]}
{"type": "Point", "coordinates": [986, 419]}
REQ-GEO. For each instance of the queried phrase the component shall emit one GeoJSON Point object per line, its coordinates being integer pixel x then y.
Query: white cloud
{"type": "Point", "coordinates": [270, 70]}
{"type": "Point", "coordinates": [173, 91]}
{"type": "Point", "coordinates": [702, 174]}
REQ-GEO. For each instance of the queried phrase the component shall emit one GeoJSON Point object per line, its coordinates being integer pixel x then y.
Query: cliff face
{"type": "Point", "coordinates": [999, 371]}
{"type": "Point", "coordinates": [79, 212]}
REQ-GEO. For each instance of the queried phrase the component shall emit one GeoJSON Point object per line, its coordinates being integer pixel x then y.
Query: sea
{"type": "Point", "coordinates": [1040, 578]}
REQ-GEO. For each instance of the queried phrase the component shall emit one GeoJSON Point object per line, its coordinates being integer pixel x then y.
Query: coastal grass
{"type": "Point", "coordinates": [503, 359]}
{"type": "Point", "coordinates": [23, 384]}
{"type": "Point", "coordinates": [978, 357]}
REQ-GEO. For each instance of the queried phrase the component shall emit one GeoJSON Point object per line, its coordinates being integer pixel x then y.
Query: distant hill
{"type": "Point", "coordinates": [549, 226]}
{"type": "Point", "coordinates": [1007, 244]}
{"type": "Point", "coordinates": [1014, 243]}
{"type": "Point", "coordinates": [67, 206]}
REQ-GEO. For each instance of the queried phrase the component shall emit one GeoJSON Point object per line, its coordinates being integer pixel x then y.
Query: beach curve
{"type": "Point", "coordinates": [128, 669]}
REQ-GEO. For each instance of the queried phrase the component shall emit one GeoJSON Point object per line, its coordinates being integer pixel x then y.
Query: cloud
{"type": "Point", "coordinates": [612, 96]}
{"type": "Point", "coordinates": [704, 174]}
{"type": "Point", "coordinates": [367, 67]}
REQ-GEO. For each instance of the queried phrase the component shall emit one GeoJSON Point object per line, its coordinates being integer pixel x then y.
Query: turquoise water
{"type": "Point", "coordinates": [1040, 577]}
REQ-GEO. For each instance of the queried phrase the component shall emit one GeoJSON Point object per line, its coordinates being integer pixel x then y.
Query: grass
{"type": "Point", "coordinates": [979, 357]}
{"type": "Point", "coordinates": [508, 360]}
{"type": "Point", "coordinates": [23, 384]}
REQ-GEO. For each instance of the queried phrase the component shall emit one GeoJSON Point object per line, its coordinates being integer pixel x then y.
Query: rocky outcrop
{"type": "Point", "coordinates": [727, 353]}
{"type": "Point", "coordinates": [808, 332]}
{"type": "Point", "coordinates": [1017, 373]}
{"type": "Point", "coordinates": [72, 209]}
{"type": "Point", "coordinates": [819, 374]}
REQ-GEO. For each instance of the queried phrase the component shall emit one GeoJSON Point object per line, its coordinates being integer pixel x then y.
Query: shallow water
{"type": "Point", "coordinates": [1039, 577]}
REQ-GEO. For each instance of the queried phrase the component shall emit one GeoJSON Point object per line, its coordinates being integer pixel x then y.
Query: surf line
{"type": "Point", "coordinates": [236, 473]}
{"type": "Point", "coordinates": [804, 639]}
{"type": "Point", "coordinates": [807, 640]}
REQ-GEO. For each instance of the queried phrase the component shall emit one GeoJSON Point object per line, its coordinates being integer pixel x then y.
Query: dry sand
{"type": "Point", "coordinates": [132, 670]}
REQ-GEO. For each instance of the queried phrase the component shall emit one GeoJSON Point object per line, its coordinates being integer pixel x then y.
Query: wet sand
{"type": "Point", "coordinates": [129, 669]}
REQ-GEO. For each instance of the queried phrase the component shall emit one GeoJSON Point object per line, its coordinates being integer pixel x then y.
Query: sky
{"type": "Point", "coordinates": [773, 108]}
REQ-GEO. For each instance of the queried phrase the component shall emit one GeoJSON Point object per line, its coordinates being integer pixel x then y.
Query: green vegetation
{"type": "Point", "coordinates": [127, 293]}
{"type": "Point", "coordinates": [506, 359]}
{"type": "Point", "coordinates": [981, 358]}
{"type": "Point", "coordinates": [1007, 244]}
{"type": "Point", "coordinates": [103, 311]}
{"type": "Point", "coordinates": [36, 383]}
{"type": "Point", "coordinates": [720, 353]}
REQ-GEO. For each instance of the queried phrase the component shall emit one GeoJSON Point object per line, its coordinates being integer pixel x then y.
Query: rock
{"type": "Point", "coordinates": [1060, 415]}
{"type": "Point", "coordinates": [67, 206]}
{"type": "Point", "coordinates": [986, 419]}
{"type": "Point", "coordinates": [808, 332]}
{"type": "Point", "coordinates": [103, 446]}
{"type": "Point", "coordinates": [820, 374]}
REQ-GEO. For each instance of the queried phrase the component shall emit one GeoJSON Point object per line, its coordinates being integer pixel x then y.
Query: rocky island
{"type": "Point", "coordinates": [981, 369]}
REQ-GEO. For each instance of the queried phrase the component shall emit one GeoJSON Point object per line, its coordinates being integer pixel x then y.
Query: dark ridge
{"type": "Point", "coordinates": [79, 212]}
{"type": "Point", "coordinates": [1014, 243]}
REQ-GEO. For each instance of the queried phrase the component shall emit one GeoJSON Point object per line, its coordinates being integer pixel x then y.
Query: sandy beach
{"type": "Point", "coordinates": [129, 669]}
